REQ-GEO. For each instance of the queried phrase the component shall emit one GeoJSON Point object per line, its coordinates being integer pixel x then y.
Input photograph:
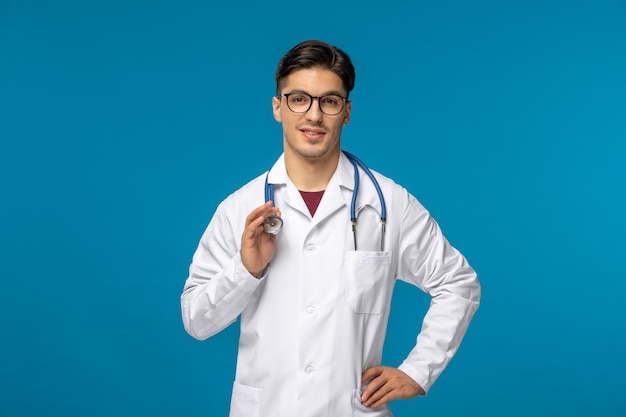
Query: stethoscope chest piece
{"type": "Point", "coordinates": [272, 224]}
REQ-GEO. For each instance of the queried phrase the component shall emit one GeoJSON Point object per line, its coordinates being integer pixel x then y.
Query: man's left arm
{"type": "Point", "coordinates": [427, 260]}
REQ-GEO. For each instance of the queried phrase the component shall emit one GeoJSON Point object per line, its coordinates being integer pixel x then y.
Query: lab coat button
{"type": "Point", "coordinates": [311, 309]}
{"type": "Point", "coordinates": [310, 248]}
{"type": "Point", "coordinates": [309, 369]}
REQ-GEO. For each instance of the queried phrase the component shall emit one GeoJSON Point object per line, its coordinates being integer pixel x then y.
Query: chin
{"type": "Point", "coordinates": [313, 154]}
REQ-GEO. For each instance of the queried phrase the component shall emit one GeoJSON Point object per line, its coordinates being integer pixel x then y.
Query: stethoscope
{"type": "Point", "coordinates": [273, 223]}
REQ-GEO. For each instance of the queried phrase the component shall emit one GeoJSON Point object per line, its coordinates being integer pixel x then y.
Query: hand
{"type": "Point", "coordinates": [258, 246]}
{"type": "Point", "coordinates": [386, 384]}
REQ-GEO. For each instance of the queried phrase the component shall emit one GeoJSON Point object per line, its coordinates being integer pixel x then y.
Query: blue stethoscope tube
{"type": "Point", "coordinates": [273, 223]}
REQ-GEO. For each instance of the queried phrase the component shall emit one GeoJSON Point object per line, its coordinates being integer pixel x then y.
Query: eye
{"type": "Point", "coordinates": [299, 98]}
{"type": "Point", "coordinates": [331, 101]}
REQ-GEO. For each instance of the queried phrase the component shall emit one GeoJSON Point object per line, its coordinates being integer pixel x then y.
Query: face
{"type": "Point", "coordinates": [311, 135]}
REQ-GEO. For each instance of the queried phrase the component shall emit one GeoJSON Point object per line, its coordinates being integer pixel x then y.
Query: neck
{"type": "Point", "coordinates": [311, 174]}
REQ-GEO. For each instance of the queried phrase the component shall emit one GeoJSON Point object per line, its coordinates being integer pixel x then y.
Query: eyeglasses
{"type": "Point", "coordinates": [330, 104]}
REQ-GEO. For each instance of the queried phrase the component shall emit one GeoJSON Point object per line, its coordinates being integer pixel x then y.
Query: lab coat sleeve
{"type": "Point", "coordinates": [219, 286]}
{"type": "Point", "coordinates": [430, 262]}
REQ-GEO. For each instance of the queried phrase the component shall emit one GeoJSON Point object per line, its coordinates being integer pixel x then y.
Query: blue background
{"type": "Point", "coordinates": [124, 123]}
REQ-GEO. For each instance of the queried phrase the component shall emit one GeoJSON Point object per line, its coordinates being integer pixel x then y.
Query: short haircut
{"type": "Point", "coordinates": [316, 54]}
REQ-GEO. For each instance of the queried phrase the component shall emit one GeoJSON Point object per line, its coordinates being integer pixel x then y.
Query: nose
{"type": "Point", "coordinates": [315, 112]}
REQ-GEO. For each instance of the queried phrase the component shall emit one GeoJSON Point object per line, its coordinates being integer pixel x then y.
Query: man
{"type": "Point", "coordinates": [314, 299]}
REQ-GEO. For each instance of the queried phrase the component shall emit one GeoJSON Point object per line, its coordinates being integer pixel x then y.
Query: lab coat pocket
{"type": "Point", "coordinates": [359, 410]}
{"type": "Point", "coordinates": [367, 281]}
{"type": "Point", "coordinates": [245, 401]}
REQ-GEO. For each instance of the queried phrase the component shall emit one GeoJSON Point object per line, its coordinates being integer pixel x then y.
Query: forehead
{"type": "Point", "coordinates": [315, 81]}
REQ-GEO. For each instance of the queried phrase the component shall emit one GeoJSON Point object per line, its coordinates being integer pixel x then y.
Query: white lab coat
{"type": "Point", "coordinates": [317, 318]}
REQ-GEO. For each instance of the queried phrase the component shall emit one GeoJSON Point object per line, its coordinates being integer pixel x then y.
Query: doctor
{"type": "Point", "coordinates": [313, 309]}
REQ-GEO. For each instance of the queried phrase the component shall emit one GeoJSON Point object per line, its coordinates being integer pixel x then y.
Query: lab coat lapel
{"type": "Point", "coordinates": [366, 193]}
{"type": "Point", "coordinates": [338, 192]}
{"type": "Point", "coordinates": [285, 192]}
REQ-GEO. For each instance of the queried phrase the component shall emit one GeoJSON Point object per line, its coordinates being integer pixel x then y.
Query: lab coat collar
{"type": "Point", "coordinates": [343, 176]}
{"type": "Point", "coordinates": [337, 194]}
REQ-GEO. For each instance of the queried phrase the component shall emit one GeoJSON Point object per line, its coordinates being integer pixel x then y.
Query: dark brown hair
{"type": "Point", "coordinates": [314, 53]}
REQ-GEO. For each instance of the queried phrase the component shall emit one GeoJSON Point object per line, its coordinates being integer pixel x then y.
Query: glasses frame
{"type": "Point", "coordinates": [344, 100]}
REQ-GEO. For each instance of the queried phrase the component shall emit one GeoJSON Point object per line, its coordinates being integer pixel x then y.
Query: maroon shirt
{"type": "Point", "coordinates": [312, 199]}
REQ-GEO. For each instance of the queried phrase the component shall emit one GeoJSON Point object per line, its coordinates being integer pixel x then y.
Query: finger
{"type": "Point", "coordinates": [372, 388]}
{"type": "Point", "coordinates": [253, 223]}
{"type": "Point", "coordinates": [394, 389]}
{"type": "Point", "coordinates": [377, 394]}
{"type": "Point", "coordinates": [371, 372]}
{"type": "Point", "coordinates": [267, 212]}
{"type": "Point", "coordinates": [253, 227]}
{"type": "Point", "coordinates": [384, 399]}
{"type": "Point", "coordinates": [259, 211]}
{"type": "Point", "coordinates": [255, 219]}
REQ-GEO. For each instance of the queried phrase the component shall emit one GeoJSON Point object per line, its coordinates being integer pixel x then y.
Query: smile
{"type": "Point", "coordinates": [312, 133]}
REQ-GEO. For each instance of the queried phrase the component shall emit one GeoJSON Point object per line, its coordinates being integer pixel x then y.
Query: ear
{"type": "Point", "coordinates": [347, 112]}
{"type": "Point", "coordinates": [276, 109]}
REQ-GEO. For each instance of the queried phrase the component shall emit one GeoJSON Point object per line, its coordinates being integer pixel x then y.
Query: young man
{"type": "Point", "coordinates": [314, 299]}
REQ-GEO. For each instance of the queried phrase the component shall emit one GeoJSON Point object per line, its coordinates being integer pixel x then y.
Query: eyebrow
{"type": "Point", "coordinates": [327, 93]}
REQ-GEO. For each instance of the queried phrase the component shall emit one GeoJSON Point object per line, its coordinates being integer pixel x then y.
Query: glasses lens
{"type": "Point", "coordinates": [331, 105]}
{"type": "Point", "coordinates": [299, 103]}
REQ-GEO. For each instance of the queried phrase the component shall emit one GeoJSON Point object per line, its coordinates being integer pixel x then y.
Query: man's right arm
{"type": "Point", "coordinates": [219, 286]}
{"type": "Point", "coordinates": [226, 269]}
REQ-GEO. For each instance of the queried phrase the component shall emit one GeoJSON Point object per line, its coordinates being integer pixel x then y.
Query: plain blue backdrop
{"type": "Point", "coordinates": [124, 123]}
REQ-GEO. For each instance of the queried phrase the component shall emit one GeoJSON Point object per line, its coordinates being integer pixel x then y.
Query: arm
{"type": "Point", "coordinates": [223, 277]}
{"type": "Point", "coordinates": [427, 260]}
